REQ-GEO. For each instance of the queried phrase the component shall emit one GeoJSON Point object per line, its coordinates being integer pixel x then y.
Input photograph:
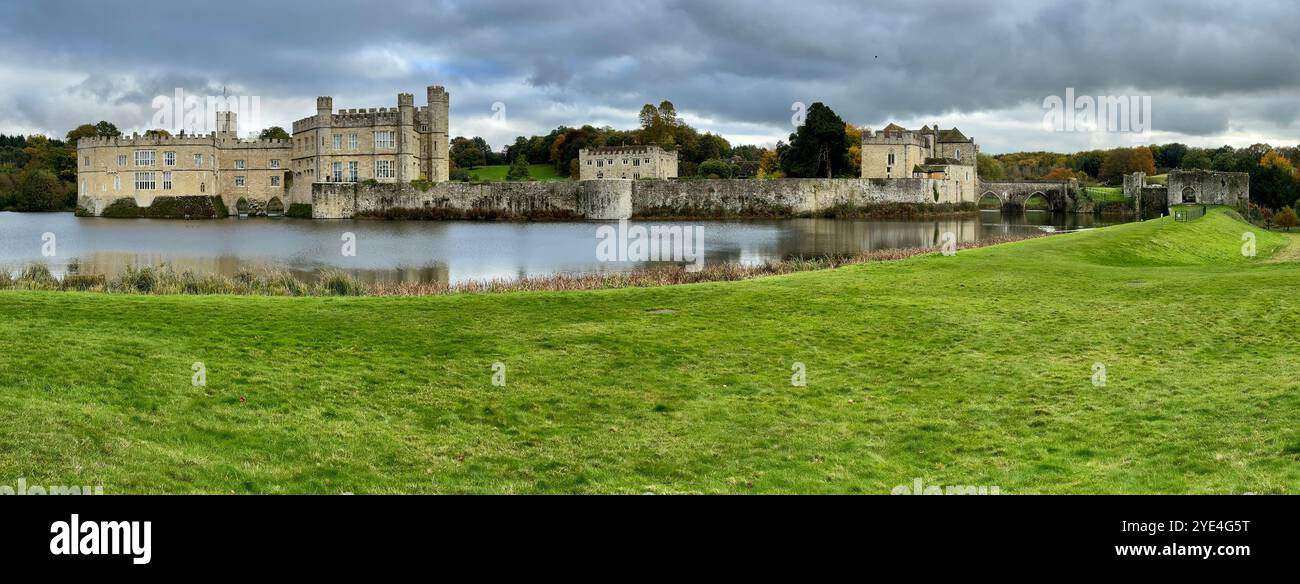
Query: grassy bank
{"type": "Point", "coordinates": [975, 369]}
{"type": "Point", "coordinates": [498, 172]}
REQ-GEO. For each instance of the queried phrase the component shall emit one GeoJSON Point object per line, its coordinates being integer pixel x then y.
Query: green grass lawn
{"type": "Point", "coordinates": [498, 173]}
{"type": "Point", "coordinates": [975, 369]}
{"type": "Point", "coordinates": [1104, 193]}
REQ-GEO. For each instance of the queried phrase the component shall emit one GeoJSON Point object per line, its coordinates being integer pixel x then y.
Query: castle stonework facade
{"type": "Point", "coordinates": [945, 155]}
{"type": "Point", "coordinates": [633, 162]}
{"type": "Point", "coordinates": [267, 176]}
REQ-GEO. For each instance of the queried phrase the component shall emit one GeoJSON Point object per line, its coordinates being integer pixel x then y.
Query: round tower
{"type": "Point", "coordinates": [439, 106]}
{"type": "Point", "coordinates": [324, 121]}
{"type": "Point", "coordinates": [408, 143]}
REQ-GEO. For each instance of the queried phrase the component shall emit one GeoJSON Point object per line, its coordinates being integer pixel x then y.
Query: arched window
{"type": "Point", "coordinates": [203, 187]}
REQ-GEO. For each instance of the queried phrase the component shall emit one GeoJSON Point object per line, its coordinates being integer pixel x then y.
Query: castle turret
{"type": "Point", "coordinates": [408, 142]}
{"type": "Point", "coordinates": [227, 124]}
{"type": "Point", "coordinates": [438, 143]}
{"type": "Point", "coordinates": [324, 120]}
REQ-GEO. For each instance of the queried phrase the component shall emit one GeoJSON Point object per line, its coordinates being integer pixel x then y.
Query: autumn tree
{"type": "Point", "coordinates": [1286, 218]}
{"type": "Point", "coordinates": [1122, 161]}
{"type": "Point", "coordinates": [658, 124]}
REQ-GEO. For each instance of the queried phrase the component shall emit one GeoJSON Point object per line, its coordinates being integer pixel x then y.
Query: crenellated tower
{"type": "Point", "coordinates": [437, 142]}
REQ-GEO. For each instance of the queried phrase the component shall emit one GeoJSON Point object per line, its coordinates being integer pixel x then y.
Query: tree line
{"type": "Point", "coordinates": [1274, 178]}
{"type": "Point", "coordinates": [824, 144]}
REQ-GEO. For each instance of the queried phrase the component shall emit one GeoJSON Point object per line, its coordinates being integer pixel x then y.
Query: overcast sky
{"type": "Point", "coordinates": [1217, 72]}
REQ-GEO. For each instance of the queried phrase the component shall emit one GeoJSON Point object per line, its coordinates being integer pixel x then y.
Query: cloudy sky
{"type": "Point", "coordinates": [1216, 72]}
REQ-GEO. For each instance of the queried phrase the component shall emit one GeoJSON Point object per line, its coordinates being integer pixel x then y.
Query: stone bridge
{"type": "Point", "coordinates": [1060, 195]}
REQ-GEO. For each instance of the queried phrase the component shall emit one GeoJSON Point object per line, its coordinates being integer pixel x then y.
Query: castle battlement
{"type": "Point", "coordinates": [138, 140]}
{"type": "Point", "coordinates": [271, 173]}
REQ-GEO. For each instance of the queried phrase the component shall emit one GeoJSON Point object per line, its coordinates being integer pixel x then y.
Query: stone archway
{"type": "Point", "coordinates": [990, 200]}
{"type": "Point", "coordinates": [1189, 195]}
{"type": "Point", "coordinates": [1038, 201]}
{"type": "Point", "coordinates": [242, 207]}
{"type": "Point", "coordinates": [275, 207]}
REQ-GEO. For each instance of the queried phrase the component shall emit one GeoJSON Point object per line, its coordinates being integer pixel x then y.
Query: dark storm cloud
{"type": "Point", "coordinates": [1209, 64]}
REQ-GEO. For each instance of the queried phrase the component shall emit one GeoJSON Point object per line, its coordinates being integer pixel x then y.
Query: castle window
{"type": "Point", "coordinates": [275, 163]}
{"type": "Point", "coordinates": [600, 163]}
{"type": "Point", "coordinates": [85, 160]}
{"type": "Point", "coordinates": [198, 161]}
{"type": "Point", "coordinates": [169, 158]}
{"type": "Point", "coordinates": [275, 181]}
{"type": "Point", "coordinates": [117, 183]}
{"type": "Point", "coordinates": [144, 181]}
{"type": "Point", "coordinates": [337, 167]}
{"type": "Point", "coordinates": [891, 158]}
{"type": "Point", "coordinates": [383, 169]}
{"type": "Point", "coordinates": [636, 162]}
{"type": "Point", "coordinates": [352, 170]}
{"type": "Point", "coordinates": [144, 157]}
{"type": "Point", "coordinates": [239, 180]}
{"type": "Point", "coordinates": [352, 141]}
{"type": "Point", "coordinates": [239, 165]}
{"type": "Point", "coordinates": [167, 180]}
{"type": "Point", "coordinates": [121, 160]}
{"type": "Point", "coordinates": [384, 139]}
{"type": "Point", "coordinates": [338, 141]}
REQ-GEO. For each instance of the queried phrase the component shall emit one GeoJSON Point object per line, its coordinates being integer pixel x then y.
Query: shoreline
{"type": "Point", "coordinates": [163, 280]}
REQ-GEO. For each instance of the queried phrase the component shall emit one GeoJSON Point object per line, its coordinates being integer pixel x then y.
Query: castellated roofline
{"type": "Point", "coordinates": [140, 141]}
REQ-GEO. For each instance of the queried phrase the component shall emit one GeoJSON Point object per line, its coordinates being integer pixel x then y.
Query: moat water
{"type": "Point", "coordinates": [453, 251]}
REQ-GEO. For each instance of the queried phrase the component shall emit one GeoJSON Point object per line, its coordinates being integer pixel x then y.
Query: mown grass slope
{"type": "Point", "coordinates": [976, 369]}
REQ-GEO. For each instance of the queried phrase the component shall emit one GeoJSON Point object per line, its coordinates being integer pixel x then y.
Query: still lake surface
{"type": "Point", "coordinates": [453, 251]}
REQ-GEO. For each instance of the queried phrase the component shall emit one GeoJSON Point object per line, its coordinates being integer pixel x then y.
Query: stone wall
{"type": "Point", "coordinates": [1207, 187]}
{"type": "Point", "coordinates": [344, 200]}
{"type": "Point", "coordinates": [715, 197]}
{"type": "Point", "coordinates": [620, 199]}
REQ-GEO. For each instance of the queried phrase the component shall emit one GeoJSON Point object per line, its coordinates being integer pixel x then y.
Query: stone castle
{"type": "Point", "coordinates": [340, 164]}
{"type": "Point", "coordinates": [942, 155]}
{"type": "Point", "coordinates": [634, 162]}
{"type": "Point", "coordinates": [386, 145]}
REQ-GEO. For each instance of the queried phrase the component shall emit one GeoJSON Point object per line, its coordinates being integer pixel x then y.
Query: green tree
{"type": "Point", "coordinates": [819, 148]}
{"type": "Point", "coordinates": [988, 167]}
{"type": "Point", "coordinates": [1196, 159]}
{"type": "Point", "coordinates": [107, 130]}
{"type": "Point", "coordinates": [274, 133]}
{"type": "Point", "coordinates": [40, 190]}
{"type": "Point", "coordinates": [518, 169]}
{"type": "Point", "coordinates": [467, 153]}
{"type": "Point", "coordinates": [715, 168]}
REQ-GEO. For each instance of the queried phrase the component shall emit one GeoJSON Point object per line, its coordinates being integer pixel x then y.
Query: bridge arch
{"type": "Point", "coordinates": [990, 200]}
